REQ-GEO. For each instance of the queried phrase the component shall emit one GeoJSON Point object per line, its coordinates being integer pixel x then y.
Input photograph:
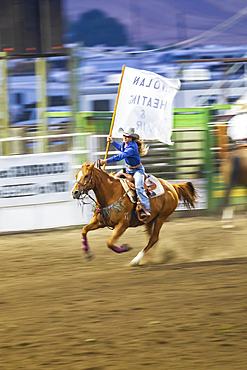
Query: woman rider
{"type": "Point", "coordinates": [131, 149]}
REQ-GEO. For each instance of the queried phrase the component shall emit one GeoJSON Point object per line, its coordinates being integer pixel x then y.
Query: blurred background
{"type": "Point", "coordinates": [60, 67]}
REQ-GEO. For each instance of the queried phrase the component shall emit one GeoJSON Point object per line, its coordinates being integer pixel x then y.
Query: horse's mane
{"type": "Point", "coordinates": [111, 174]}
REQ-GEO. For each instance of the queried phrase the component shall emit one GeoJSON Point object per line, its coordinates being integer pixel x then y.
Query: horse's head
{"type": "Point", "coordinates": [83, 180]}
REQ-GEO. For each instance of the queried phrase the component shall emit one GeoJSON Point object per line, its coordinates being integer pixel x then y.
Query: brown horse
{"type": "Point", "coordinates": [114, 208]}
{"type": "Point", "coordinates": [234, 172]}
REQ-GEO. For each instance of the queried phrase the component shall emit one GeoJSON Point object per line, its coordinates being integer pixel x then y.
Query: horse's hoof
{"type": "Point", "coordinates": [88, 255]}
{"type": "Point", "coordinates": [136, 261]}
{"type": "Point", "coordinates": [126, 247]}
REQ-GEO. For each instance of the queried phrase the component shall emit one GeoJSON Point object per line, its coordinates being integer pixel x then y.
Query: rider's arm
{"type": "Point", "coordinates": [117, 145]}
{"type": "Point", "coordinates": [128, 151]}
{"type": "Point", "coordinates": [116, 158]}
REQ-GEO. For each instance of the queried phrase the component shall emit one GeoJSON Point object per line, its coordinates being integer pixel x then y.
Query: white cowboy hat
{"type": "Point", "coordinates": [129, 131]}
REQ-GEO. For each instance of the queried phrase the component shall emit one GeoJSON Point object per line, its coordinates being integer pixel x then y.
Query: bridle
{"type": "Point", "coordinates": [84, 191]}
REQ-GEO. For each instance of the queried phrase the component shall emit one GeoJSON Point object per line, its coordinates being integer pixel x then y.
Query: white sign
{"type": "Point", "coordinates": [35, 179]}
{"type": "Point", "coordinates": [145, 103]}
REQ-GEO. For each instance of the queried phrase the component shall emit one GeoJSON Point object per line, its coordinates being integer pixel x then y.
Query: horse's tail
{"type": "Point", "coordinates": [187, 194]}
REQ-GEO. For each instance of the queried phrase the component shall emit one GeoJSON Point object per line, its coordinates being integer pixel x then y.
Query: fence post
{"type": "Point", "coordinates": [40, 70]}
{"type": "Point", "coordinates": [209, 163]}
{"type": "Point", "coordinates": [4, 120]}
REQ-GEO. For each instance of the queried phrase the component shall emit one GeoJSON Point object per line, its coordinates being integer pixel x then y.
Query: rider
{"type": "Point", "coordinates": [131, 149]}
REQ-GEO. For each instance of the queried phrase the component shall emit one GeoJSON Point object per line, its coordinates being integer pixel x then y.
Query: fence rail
{"type": "Point", "coordinates": [177, 160]}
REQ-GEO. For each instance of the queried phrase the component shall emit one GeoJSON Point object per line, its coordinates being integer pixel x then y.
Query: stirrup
{"type": "Point", "coordinates": [145, 212]}
{"type": "Point", "coordinates": [142, 213]}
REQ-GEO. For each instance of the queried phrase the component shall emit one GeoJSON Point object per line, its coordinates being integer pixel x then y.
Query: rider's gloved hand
{"type": "Point", "coordinates": [102, 161]}
{"type": "Point", "coordinates": [110, 139]}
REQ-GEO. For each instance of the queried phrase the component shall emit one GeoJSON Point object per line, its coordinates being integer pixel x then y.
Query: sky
{"type": "Point", "coordinates": [165, 22]}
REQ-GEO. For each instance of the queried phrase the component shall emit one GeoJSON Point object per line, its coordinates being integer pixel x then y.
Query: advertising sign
{"type": "Point", "coordinates": [35, 179]}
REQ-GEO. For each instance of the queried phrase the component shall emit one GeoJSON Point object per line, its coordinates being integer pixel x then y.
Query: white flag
{"type": "Point", "coordinates": [145, 103]}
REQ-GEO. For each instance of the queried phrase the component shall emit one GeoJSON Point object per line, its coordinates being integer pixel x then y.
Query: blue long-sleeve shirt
{"type": "Point", "coordinates": [130, 154]}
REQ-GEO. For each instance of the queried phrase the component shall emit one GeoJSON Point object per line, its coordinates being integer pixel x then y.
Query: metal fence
{"type": "Point", "coordinates": [194, 155]}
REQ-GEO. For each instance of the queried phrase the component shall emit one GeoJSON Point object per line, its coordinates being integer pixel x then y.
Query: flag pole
{"type": "Point", "coordinates": [114, 113]}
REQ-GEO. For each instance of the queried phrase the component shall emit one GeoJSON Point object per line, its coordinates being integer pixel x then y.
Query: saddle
{"type": "Point", "coordinates": [149, 185]}
{"type": "Point", "coordinates": [152, 186]}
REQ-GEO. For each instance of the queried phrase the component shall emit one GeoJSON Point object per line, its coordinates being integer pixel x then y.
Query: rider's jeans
{"type": "Point", "coordinates": [138, 174]}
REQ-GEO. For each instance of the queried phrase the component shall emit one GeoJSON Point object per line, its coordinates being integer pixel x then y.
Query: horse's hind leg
{"type": "Point", "coordinates": [152, 240]}
{"type": "Point", "coordinates": [227, 215]}
{"type": "Point", "coordinates": [149, 257]}
{"type": "Point", "coordinates": [117, 232]}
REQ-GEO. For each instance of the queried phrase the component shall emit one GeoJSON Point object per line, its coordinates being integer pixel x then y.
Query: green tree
{"type": "Point", "coordinates": [95, 28]}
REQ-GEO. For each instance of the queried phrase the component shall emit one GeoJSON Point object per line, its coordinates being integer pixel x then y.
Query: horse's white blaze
{"type": "Point", "coordinates": [137, 259]}
{"type": "Point", "coordinates": [79, 176]}
{"type": "Point", "coordinates": [72, 191]}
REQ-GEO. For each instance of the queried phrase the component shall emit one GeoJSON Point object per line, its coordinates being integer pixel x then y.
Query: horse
{"type": "Point", "coordinates": [114, 209]}
{"type": "Point", "coordinates": [234, 172]}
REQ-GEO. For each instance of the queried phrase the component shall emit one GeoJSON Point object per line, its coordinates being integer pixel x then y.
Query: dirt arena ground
{"type": "Point", "coordinates": [188, 310]}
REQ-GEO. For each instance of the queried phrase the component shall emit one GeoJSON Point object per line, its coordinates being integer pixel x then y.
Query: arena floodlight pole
{"type": "Point", "coordinates": [114, 113]}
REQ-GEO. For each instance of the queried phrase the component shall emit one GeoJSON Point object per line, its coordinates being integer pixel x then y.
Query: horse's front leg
{"type": "Point", "coordinates": [153, 231]}
{"type": "Point", "coordinates": [117, 232]}
{"type": "Point", "coordinates": [94, 224]}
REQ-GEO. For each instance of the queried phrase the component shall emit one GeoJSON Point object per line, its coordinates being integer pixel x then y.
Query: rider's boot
{"type": "Point", "coordinates": [145, 212]}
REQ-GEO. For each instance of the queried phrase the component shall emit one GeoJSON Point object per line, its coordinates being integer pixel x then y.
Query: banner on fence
{"type": "Point", "coordinates": [35, 179]}
{"type": "Point", "coordinates": [145, 102]}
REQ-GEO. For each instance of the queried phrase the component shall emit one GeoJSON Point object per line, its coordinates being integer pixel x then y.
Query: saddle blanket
{"type": "Point", "coordinates": [153, 186]}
